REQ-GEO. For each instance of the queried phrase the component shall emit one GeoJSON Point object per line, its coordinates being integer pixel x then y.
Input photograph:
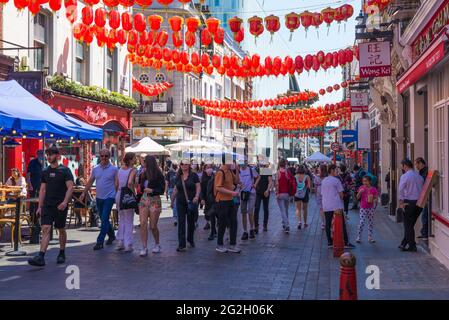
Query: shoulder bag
{"type": "Point", "coordinates": [128, 199]}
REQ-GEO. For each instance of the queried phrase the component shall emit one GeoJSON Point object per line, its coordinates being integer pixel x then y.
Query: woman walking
{"type": "Point", "coordinates": [205, 202]}
{"type": "Point", "coordinates": [187, 195]}
{"type": "Point", "coordinates": [367, 195]}
{"type": "Point", "coordinates": [152, 184]}
{"type": "Point", "coordinates": [263, 185]}
{"type": "Point", "coordinates": [125, 177]}
{"type": "Point", "coordinates": [318, 178]}
{"type": "Point", "coordinates": [302, 196]}
{"type": "Point", "coordinates": [284, 185]}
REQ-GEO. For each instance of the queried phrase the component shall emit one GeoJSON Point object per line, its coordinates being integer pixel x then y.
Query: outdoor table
{"type": "Point", "coordinates": [14, 193]}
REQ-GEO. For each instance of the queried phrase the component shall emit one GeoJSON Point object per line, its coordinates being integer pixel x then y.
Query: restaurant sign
{"type": "Point", "coordinates": [431, 30]}
{"type": "Point", "coordinates": [158, 133]}
{"type": "Point", "coordinates": [375, 59]}
{"type": "Point", "coordinates": [32, 81]}
{"type": "Point", "coordinates": [359, 101]}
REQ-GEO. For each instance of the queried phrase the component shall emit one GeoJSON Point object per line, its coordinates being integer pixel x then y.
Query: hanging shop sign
{"type": "Point", "coordinates": [359, 101]}
{"type": "Point", "coordinates": [348, 136]}
{"type": "Point", "coordinates": [375, 59]}
{"type": "Point", "coordinates": [363, 134]}
{"type": "Point", "coordinates": [160, 107]}
{"type": "Point", "coordinates": [431, 30]}
{"type": "Point", "coordinates": [158, 133]}
{"type": "Point", "coordinates": [31, 81]}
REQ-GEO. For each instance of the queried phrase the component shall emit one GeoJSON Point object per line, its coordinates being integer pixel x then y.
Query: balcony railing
{"type": "Point", "coordinates": [155, 107]}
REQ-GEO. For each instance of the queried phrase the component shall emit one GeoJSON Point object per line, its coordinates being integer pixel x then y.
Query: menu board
{"type": "Point", "coordinates": [431, 180]}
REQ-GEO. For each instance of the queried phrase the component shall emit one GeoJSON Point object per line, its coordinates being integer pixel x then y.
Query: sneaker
{"type": "Point", "coordinates": [207, 226]}
{"type": "Point", "coordinates": [371, 240]}
{"type": "Point", "coordinates": [221, 249]}
{"type": "Point", "coordinates": [110, 241]}
{"type": "Point", "coordinates": [192, 244]}
{"type": "Point", "coordinates": [143, 252]}
{"type": "Point", "coordinates": [156, 249]}
{"type": "Point", "coordinates": [245, 236]}
{"type": "Point", "coordinates": [98, 246]}
{"type": "Point", "coordinates": [349, 246]}
{"type": "Point", "coordinates": [299, 226]}
{"type": "Point", "coordinates": [37, 261]}
{"type": "Point", "coordinates": [120, 246]}
{"type": "Point", "coordinates": [287, 230]}
{"type": "Point", "coordinates": [234, 249]}
{"type": "Point", "coordinates": [61, 258]}
{"type": "Point", "coordinates": [179, 249]}
{"type": "Point", "coordinates": [129, 249]}
{"type": "Point", "coordinates": [252, 235]}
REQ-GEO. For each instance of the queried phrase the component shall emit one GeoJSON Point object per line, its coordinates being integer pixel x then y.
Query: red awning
{"type": "Point", "coordinates": [433, 55]}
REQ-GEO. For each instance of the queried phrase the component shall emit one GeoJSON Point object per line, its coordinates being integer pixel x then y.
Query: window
{"type": "Point", "coordinates": [42, 39]}
{"type": "Point", "coordinates": [110, 64]}
{"type": "Point", "coordinates": [218, 91]}
{"type": "Point", "coordinates": [441, 119]}
{"type": "Point", "coordinates": [81, 62]}
{"type": "Point", "coordinates": [205, 91]}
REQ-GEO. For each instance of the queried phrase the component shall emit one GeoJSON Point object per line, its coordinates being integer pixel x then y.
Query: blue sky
{"type": "Point", "coordinates": [281, 46]}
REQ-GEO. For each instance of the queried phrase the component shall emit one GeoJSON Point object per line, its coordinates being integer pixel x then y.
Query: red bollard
{"type": "Point", "coordinates": [337, 237]}
{"type": "Point", "coordinates": [348, 279]}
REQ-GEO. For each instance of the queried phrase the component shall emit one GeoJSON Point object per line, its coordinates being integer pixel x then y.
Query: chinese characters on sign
{"type": "Point", "coordinates": [375, 59]}
{"type": "Point", "coordinates": [32, 81]}
{"type": "Point", "coordinates": [359, 101]}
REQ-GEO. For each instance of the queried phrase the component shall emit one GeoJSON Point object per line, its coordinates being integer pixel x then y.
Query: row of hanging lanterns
{"type": "Point", "coordinates": [151, 90]}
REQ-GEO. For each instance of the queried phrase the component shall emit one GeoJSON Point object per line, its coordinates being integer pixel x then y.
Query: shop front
{"type": "Point", "coordinates": [115, 121]}
{"type": "Point", "coordinates": [424, 89]}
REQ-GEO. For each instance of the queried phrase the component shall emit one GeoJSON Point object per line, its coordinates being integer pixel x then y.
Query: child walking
{"type": "Point", "coordinates": [368, 196]}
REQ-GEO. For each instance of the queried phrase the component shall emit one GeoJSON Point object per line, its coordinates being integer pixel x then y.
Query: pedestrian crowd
{"type": "Point", "coordinates": [222, 192]}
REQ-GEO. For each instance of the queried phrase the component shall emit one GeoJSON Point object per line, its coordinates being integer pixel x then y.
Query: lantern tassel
{"type": "Point", "coordinates": [328, 27]}
{"type": "Point", "coordinates": [271, 39]}
{"type": "Point", "coordinates": [291, 36]}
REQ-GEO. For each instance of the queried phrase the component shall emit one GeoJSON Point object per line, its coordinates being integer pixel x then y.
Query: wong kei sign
{"type": "Point", "coordinates": [375, 59]}
{"type": "Point", "coordinates": [431, 30]}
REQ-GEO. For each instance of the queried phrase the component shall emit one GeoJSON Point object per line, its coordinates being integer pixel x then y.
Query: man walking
{"type": "Point", "coordinates": [224, 188]}
{"type": "Point", "coordinates": [421, 166]}
{"type": "Point", "coordinates": [332, 191]}
{"type": "Point", "coordinates": [248, 198]}
{"type": "Point", "coordinates": [410, 186]}
{"type": "Point", "coordinates": [106, 184]}
{"type": "Point", "coordinates": [55, 193]}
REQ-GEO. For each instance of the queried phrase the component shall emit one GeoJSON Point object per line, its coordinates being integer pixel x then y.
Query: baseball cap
{"type": "Point", "coordinates": [52, 150]}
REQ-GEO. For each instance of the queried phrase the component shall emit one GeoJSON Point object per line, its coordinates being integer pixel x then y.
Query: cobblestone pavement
{"type": "Point", "coordinates": [274, 266]}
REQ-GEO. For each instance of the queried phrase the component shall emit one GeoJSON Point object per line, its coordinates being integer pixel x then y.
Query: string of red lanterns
{"type": "Point", "coordinates": [289, 119]}
{"type": "Point", "coordinates": [151, 90]}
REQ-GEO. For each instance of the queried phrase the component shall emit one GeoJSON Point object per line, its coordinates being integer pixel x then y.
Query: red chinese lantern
{"type": "Point", "coordinates": [335, 59]}
{"type": "Point", "coordinates": [272, 25]}
{"type": "Point", "coordinates": [347, 11]}
{"type": "Point", "coordinates": [329, 89]}
{"type": "Point", "coordinates": [176, 56]}
{"type": "Point", "coordinates": [299, 63]}
{"type": "Point", "coordinates": [55, 5]}
{"type": "Point", "coordinates": [321, 57]}
{"type": "Point", "coordinates": [127, 24]}
{"type": "Point", "coordinates": [121, 36]}
{"type": "Point", "coordinates": [317, 21]}
{"type": "Point", "coordinates": [144, 3]}
{"type": "Point", "coordinates": [100, 17]}
{"type": "Point", "coordinates": [255, 61]}
{"type": "Point", "coordinates": [239, 36]}
{"type": "Point", "coordinates": [78, 31]}
{"type": "Point", "coordinates": [306, 20]}
{"type": "Point", "coordinates": [155, 22]}
{"type": "Point", "coordinates": [111, 3]}
{"type": "Point", "coordinates": [126, 3]}
{"type": "Point", "coordinates": [256, 26]}
{"type": "Point", "coordinates": [235, 24]}
{"type": "Point", "coordinates": [190, 39]}
{"type": "Point", "coordinates": [167, 55]}
{"type": "Point", "coordinates": [176, 23]}
{"type": "Point", "coordinates": [292, 22]}
{"type": "Point", "coordinates": [34, 7]}
{"type": "Point", "coordinates": [192, 24]}
{"type": "Point", "coordinates": [114, 19]}
{"type": "Point", "coordinates": [71, 14]}
{"type": "Point", "coordinates": [143, 38]}
{"type": "Point", "coordinates": [308, 62]}
{"type": "Point", "coordinates": [165, 2]}
{"type": "Point", "coordinates": [344, 84]}
{"type": "Point", "coordinates": [349, 55]}
{"type": "Point", "coordinates": [139, 22]}
{"type": "Point", "coordinates": [92, 2]}
{"type": "Point", "coordinates": [177, 39]}
{"type": "Point", "coordinates": [336, 87]}
{"type": "Point", "coordinates": [322, 92]}
{"type": "Point", "coordinates": [212, 24]}
{"type": "Point", "coordinates": [328, 16]}
{"type": "Point", "coordinates": [89, 35]}
{"type": "Point", "coordinates": [206, 37]}
{"type": "Point", "coordinates": [195, 59]}
{"type": "Point", "coordinates": [162, 38]}
{"type": "Point", "coordinates": [87, 15]}
{"type": "Point", "coordinates": [315, 64]}
{"type": "Point", "coordinates": [205, 60]}
{"type": "Point", "coordinates": [219, 36]}
{"type": "Point", "coordinates": [132, 37]}
{"type": "Point", "coordinates": [21, 4]}
{"type": "Point", "coordinates": [216, 61]}
{"type": "Point", "coordinates": [341, 57]}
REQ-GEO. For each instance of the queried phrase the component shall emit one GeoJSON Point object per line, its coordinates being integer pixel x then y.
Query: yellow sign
{"type": "Point", "coordinates": [158, 133]}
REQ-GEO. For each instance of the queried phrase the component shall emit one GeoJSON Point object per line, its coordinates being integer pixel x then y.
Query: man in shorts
{"type": "Point", "coordinates": [248, 176]}
{"type": "Point", "coordinates": [54, 195]}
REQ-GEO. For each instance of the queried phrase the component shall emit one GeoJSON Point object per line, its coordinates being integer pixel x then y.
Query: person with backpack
{"type": "Point", "coordinates": [263, 185]}
{"type": "Point", "coordinates": [346, 181]}
{"type": "Point", "coordinates": [248, 176]}
{"type": "Point", "coordinates": [302, 196]}
{"type": "Point", "coordinates": [285, 187]}
{"type": "Point", "coordinates": [206, 201]}
{"type": "Point", "coordinates": [170, 182]}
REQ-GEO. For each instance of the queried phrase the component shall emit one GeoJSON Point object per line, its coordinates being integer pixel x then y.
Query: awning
{"type": "Point", "coordinates": [21, 113]}
{"type": "Point", "coordinates": [433, 55]}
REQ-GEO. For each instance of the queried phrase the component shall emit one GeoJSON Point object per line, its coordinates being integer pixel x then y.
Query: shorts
{"type": "Point", "coordinates": [248, 206]}
{"type": "Point", "coordinates": [305, 199]}
{"type": "Point", "coordinates": [51, 215]}
{"type": "Point", "coordinates": [151, 202]}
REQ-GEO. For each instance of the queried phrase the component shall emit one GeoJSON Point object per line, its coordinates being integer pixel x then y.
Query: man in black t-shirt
{"type": "Point", "coordinates": [54, 195]}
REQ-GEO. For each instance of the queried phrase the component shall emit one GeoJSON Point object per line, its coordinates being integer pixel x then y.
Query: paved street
{"type": "Point", "coordinates": [275, 266]}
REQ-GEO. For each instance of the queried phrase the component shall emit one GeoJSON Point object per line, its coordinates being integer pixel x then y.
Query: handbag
{"type": "Point", "coordinates": [191, 207]}
{"type": "Point", "coordinates": [128, 199]}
